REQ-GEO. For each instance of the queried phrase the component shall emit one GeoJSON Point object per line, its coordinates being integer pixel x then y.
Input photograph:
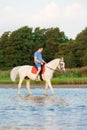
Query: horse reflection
{"type": "Point", "coordinates": [47, 100]}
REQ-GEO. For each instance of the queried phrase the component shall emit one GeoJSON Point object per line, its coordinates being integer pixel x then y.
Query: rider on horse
{"type": "Point", "coordinates": [38, 60]}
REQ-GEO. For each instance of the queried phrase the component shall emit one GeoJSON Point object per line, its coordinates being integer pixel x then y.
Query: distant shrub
{"type": "Point", "coordinates": [73, 73]}
{"type": "Point", "coordinates": [83, 71]}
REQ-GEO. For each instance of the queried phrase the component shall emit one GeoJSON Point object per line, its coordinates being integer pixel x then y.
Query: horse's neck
{"type": "Point", "coordinates": [53, 64]}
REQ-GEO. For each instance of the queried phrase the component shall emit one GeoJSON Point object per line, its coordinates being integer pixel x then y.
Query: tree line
{"type": "Point", "coordinates": [17, 47]}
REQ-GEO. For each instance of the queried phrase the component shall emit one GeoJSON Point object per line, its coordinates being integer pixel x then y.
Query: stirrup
{"type": "Point", "coordinates": [36, 79]}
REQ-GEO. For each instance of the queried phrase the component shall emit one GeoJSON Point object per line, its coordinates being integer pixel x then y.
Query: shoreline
{"type": "Point", "coordinates": [54, 81]}
{"type": "Point", "coordinates": [33, 86]}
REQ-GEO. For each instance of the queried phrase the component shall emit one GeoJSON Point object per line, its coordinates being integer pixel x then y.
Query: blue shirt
{"type": "Point", "coordinates": [38, 55]}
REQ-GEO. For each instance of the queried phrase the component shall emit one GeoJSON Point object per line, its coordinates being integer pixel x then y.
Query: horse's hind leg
{"type": "Point", "coordinates": [28, 86]}
{"type": "Point", "coordinates": [19, 86]}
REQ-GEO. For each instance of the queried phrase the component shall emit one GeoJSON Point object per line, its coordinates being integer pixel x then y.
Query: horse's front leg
{"type": "Point", "coordinates": [19, 86]}
{"type": "Point", "coordinates": [50, 86]}
{"type": "Point", "coordinates": [28, 86]}
{"type": "Point", "coordinates": [46, 87]}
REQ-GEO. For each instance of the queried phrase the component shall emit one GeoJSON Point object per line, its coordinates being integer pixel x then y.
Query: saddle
{"type": "Point", "coordinates": [34, 71]}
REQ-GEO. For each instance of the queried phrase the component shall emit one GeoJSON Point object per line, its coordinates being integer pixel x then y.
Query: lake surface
{"type": "Point", "coordinates": [66, 110]}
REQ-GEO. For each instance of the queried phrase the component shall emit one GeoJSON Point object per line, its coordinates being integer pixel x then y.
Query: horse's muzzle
{"type": "Point", "coordinates": [63, 71]}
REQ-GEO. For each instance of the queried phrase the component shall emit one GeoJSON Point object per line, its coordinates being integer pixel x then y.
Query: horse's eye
{"type": "Point", "coordinates": [61, 64]}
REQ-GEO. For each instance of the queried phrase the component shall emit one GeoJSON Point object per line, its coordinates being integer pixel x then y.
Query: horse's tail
{"type": "Point", "coordinates": [14, 73]}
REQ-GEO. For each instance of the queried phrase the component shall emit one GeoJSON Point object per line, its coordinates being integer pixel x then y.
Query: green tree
{"type": "Point", "coordinates": [17, 47]}
{"type": "Point", "coordinates": [20, 43]}
{"type": "Point", "coordinates": [53, 38]}
{"type": "Point", "coordinates": [70, 60]}
{"type": "Point", "coordinates": [4, 43]}
{"type": "Point", "coordinates": [84, 59]}
{"type": "Point", "coordinates": [80, 46]}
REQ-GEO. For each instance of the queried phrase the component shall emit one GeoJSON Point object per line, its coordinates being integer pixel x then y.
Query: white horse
{"type": "Point", "coordinates": [25, 71]}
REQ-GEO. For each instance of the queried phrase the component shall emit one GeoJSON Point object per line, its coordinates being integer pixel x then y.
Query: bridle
{"type": "Point", "coordinates": [54, 69]}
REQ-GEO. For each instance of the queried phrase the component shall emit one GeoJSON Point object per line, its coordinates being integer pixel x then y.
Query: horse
{"type": "Point", "coordinates": [25, 72]}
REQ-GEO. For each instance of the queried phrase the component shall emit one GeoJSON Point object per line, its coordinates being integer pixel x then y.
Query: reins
{"type": "Point", "coordinates": [51, 68]}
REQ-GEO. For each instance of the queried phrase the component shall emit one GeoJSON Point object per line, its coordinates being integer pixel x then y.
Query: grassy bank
{"type": "Point", "coordinates": [79, 80]}
{"type": "Point", "coordinates": [72, 76]}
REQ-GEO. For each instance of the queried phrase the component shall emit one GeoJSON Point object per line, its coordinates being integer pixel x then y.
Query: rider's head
{"type": "Point", "coordinates": [40, 48]}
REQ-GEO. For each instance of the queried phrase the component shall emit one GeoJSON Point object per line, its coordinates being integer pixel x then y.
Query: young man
{"type": "Point", "coordinates": [38, 60]}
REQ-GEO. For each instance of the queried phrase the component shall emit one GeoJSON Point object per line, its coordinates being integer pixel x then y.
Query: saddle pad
{"type": "Point", "coordinates": [34, 70]}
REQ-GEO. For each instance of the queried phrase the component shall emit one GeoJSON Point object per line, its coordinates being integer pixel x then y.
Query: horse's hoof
{"type": "Point", "coordinates": [28, 95]}
{"type": "Point", "coordinates": [52, 94]}
{"type": "Point", "coordinates": [19, 95]}
{"type": "Point", "coordinates": [46, 94]}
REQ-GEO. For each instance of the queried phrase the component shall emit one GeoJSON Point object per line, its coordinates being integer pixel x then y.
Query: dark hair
{"type": "Point", "coordinates": [40, 46]}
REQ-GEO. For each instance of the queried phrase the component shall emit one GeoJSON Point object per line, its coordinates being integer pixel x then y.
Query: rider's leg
{"type": "Point", "coordinates": [39, 69]}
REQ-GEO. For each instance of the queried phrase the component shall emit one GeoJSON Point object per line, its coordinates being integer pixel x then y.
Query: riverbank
{"type": "Point", "coordinates": [55, 81]}
{"type": "Point", "coordinates": [68, 78]}
{"type": "Point", "coordinates": [42, 86]}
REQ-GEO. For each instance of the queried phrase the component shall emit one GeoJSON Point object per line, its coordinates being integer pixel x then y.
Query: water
{"type": "Point", "coordinates": [66, 110]}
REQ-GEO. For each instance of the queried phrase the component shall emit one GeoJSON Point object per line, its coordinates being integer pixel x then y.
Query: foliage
{"type": "Point", "coordinates": [17, 47]}
{"type": "Point", "coordinates": [75, 51]}
{"type": "Point", "coordinates": [71, 76]}
{"type": "Point", "coordinates": [73, 73]}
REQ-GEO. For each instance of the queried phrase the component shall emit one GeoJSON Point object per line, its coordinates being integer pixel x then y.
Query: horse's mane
{"type": "Point", "coordinates": [52, 61]}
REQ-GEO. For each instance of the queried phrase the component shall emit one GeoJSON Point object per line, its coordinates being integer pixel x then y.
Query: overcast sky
{"type": "Point", "coordinates": [69, 15]}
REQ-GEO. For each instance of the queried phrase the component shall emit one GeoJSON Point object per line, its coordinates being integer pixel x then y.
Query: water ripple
{"type": "Point", "coordinates": [66, 110]}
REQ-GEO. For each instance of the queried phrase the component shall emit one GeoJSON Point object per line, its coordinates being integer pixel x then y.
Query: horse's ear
{"type": "Point", "coordinates": [62, 59]}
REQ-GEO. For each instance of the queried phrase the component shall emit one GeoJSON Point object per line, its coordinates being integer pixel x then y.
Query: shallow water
{"type": "Point", "coordinates": [66, 110]}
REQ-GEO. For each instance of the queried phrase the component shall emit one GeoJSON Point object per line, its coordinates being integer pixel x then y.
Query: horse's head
{"type": "Point", "coordinates": [61, 65]}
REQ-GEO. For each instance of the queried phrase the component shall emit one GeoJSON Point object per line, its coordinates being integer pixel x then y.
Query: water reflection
{"type": "Point", "coordinates": [46, 100]}
{"type": "Point", "coordinates": [66, 110]}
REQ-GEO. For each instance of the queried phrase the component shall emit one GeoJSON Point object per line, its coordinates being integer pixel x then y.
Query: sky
{"type": "Point", "coordinates": [69, 15]}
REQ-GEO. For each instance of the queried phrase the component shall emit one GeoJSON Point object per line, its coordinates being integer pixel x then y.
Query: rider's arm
{"type": "Point", "coordinates": [43, 61]}
{"type": "Point", "coordinates": [36, 60]}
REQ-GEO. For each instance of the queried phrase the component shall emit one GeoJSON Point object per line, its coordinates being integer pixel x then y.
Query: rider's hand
{"type": "Point", "coordinates": [44, 62]}
{"type": "Point", "coordinates": [41, 63]}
